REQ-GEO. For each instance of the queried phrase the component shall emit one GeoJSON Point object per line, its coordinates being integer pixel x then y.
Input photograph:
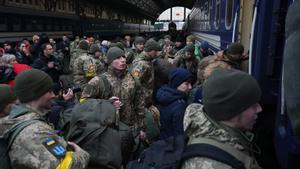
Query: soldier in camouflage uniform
{"type": "Point", "coordinates": [143, 70]}
{"type": "Point", "coordinates": [37, 144]}
{"type": "Point", "coordinates": [132, 54]}
{"type": "Point", "coordinates": [118, 85]}
{"type": "Point", "coordinates": [99, 57]}
{"type": "Point", "coordinates": [230, 108]}
{"type": "Point", "coordinates": [82, 48]}
{"type": "Point", "coordinates": [233, 55]}
{"type": "Point", "coordinates": [187, 60]}
{"type": "Point", "coordinates": [84, 68]}
{"type": "Point", "coordinates": [191, 39]}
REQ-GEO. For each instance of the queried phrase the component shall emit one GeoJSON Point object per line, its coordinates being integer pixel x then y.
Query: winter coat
{"type": "Point", "coordinates": [171, 104]}
{"type": "Point", "coordinates": [42, 64]}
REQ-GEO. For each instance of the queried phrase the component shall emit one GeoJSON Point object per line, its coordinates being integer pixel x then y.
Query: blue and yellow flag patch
{"type": "Point", "coordinates": [55, 148]}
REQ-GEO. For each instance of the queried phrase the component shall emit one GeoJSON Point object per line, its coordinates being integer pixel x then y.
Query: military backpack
{"type": "Point", "coordinates": [173, 151]}
{"type": "Point", "coordinates": [7, 140]}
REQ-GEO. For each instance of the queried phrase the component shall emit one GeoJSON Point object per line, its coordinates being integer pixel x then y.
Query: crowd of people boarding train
{"type": "Point", "coordinates": [88, 103]}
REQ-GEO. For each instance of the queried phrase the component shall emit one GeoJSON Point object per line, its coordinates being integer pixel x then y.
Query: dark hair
{"type": "Point", "coordinates": [43, 47]}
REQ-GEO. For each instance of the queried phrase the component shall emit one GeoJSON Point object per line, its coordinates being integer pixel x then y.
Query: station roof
{"type": "Point", "coordinates": [149, 9]}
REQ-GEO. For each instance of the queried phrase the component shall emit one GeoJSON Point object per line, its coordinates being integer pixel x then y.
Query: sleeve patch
{"type": "Point", "coordinates": [55, 148]}
{"type": "Point", "coordinates": [136, 73]}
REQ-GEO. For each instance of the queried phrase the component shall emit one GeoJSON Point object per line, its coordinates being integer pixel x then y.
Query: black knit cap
{"type": "Point", "coordinates": [113, 53]}
{"type": "Point", "coordinates": [6, 96]}
{"type": "Point", "coordinates": [228, 92]}
{"type": "Point", "coordinates": [152, 45]}
{"type": "Point", "coordinates": [32, 84]}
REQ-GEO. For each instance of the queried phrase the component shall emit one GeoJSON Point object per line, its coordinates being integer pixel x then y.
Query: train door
{"type": "Point", "coordinates": [288, 117]}
{"type": "Point", "coordinates": [245, 22]}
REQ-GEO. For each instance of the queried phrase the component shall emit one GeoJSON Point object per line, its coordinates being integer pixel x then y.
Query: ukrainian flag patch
{"type": "Point", "coordinates": [55, 148]}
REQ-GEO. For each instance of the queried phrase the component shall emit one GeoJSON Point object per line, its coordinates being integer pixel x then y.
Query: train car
{"type": "Point", "coordinates": [260, 26]}
{"type": "Point", "coordinates": [100, 28]}
{"type": "Point", "coordinates": [17, 24]}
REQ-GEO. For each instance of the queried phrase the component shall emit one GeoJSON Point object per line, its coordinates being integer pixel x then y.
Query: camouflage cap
{"type": "Point", "coordinates": [228, 92]}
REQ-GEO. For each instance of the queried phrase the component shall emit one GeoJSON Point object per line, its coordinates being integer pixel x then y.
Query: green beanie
{"type": "Point", "coordinates": [117, 44]}
{"type": "Point", "coordinates": [32, 84]}
{"type": "Point", "coordinates": [113, 53]}
{"type": "Point", "coordinates": [228, 92]}
{"type": "Point", "coordinates": [139, 39]}
{"type": "Point", "coordinates": [6, 96]}
{"type": "Point", "coordinates": [152, 45]}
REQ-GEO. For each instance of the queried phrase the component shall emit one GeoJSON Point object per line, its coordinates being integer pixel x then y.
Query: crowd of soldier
{"type": "Point", "coordinates": [150, 84]}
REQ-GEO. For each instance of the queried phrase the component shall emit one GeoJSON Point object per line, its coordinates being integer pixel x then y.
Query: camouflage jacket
{"type": "Point", "coordinates": [198, 125]}
{"type": "Point", "coordinates": [122, 85]}
{"type": "Point", "coordinates": [74, 55]}
{"type": "Point", "coordinates": [84, 69]}
{"type": "Point", "coordinates": [190, 64]}
{"type": "Point", "coordinates": [28, 150]}
{"type": "Point", "coordinates": [143, 71]}
{"type": "Point", "coordinates": [131, 55]}
{"type": "Point", "coordinates": [207, 65]}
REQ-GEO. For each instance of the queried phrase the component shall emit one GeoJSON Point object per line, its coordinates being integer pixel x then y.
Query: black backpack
{"type": "Point", "coordinates": [170, 154]}
{"type": "Point", "coordinates": [7, 140]}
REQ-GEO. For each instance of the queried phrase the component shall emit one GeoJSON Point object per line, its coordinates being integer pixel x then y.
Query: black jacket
{"type": "Point", "coordinates": [42, 64]}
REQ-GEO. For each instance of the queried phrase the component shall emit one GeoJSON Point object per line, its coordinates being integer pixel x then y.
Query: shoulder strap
{"type": "Point", "coordinates": [107, 87]}
{"type": "Point", "coordinates": [213, 152]}
{"type": "Point", "coordinates": [241, 156]}
{"type": "Point", "coordinates": [16, 129]}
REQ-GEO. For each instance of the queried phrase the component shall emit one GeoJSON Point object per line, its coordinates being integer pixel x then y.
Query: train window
{"type": "Point", "coordinates": [28, 27]}
{"type": "Point", "coordinates": [16, 27]}
{"type": "Point", "coordinates": [3, 24]}
{"type": "Point", "coordinates": [70, 27]}
{"type": "Point", "coordinates": [48, 27]}
{"type": "Point", "coordinates": [229, 13]}
{"type": "Point", "coordinates": [217, 14]}
{"type": "Point", "coordinates": [56, 28]}
{"type": "Point", "coordinates": [39, 27]}
{"type": "Point", "coordinates": [3, 27]}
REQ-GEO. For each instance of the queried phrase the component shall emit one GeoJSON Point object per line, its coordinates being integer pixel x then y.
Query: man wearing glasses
{"type": "Point", "coordinates": [48, 63]}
